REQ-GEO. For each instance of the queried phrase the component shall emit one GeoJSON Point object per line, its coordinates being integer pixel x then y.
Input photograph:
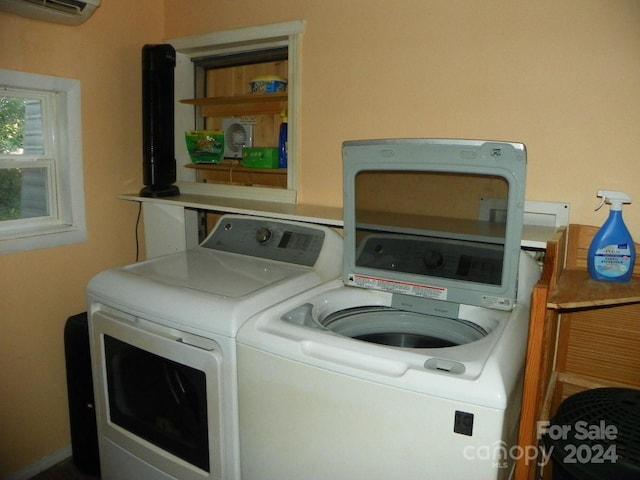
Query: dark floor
{"type": "Point", "coordinates": [64, 470]}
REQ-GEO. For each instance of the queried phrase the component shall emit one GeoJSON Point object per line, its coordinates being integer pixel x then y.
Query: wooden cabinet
{"type": "Point", "coordinates": [583, 334]}
{"type": "Point", "coordinates": [227, 95]}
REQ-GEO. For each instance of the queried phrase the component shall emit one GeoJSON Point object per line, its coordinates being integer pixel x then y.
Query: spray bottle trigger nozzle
{"type": "Point", "coordinates": [615, 199]}
{"type": "Point", "coordinates": [604, 199]}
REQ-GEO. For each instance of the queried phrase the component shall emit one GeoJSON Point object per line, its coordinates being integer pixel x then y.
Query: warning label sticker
{"type": "Point", "coordinates": [407, 288]}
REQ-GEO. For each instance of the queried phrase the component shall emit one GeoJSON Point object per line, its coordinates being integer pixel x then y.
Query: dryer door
{"type": "Point", "coordinates": [162, 401]}
{"type": "Point", "coordinates": [157, 399]}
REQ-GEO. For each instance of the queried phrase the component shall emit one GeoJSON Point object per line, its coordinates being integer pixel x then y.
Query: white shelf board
{"type": "Point", "coordinates": [324, 215]}
{"type": "Point", "coordinates": [533, 236]}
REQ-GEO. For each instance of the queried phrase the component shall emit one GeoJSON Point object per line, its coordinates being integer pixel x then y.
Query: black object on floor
{"type": "Point", "coordinates": [595, 435]}
{"type": "Point", "coordinates": [82, 416]}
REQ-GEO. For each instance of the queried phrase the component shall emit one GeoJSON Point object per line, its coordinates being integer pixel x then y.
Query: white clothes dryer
{"type": "Point", "coordinates": [411, 366]}
{"type": "Point", "coordinates": [162, 337]}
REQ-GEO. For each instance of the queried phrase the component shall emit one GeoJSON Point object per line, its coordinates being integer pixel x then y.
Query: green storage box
{"type": "Point", "coordinates": [260, 157]}
{"type": "Point", "coordinates": [205, 146]}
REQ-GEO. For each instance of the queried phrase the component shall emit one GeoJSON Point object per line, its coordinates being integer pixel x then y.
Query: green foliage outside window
{"type": "Point", "coordinates": [12, 117]}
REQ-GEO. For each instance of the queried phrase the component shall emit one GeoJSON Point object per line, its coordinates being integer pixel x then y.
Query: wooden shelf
{"type": "Point", "coordinates": [583, 334]}
{"type": "Point", "coordinates": [233, 173]}
{"type": "Point", "coordinates": [226, 166]}
{"type": "Point", "coordinates": [576, 289]}
{"type": "Point", "coordinates": [563, 384]}
{"type": "Point", "coordinates": [264, 104]}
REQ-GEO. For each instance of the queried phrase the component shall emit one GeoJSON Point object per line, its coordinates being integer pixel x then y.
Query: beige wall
{"type": "Point", "coordinates": [40, 289]}
{"type": "Point", "coordinates": [561, 76]}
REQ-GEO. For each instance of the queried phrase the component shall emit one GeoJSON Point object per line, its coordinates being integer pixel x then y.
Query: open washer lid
{"type": "Point", "coordinates": [436, 222]}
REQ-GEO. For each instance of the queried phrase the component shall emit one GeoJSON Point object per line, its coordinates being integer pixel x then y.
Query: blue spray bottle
{"type": "Point", "coordinates": [283, 141]}
{"type": "Point", "coordinates": [612, 254]}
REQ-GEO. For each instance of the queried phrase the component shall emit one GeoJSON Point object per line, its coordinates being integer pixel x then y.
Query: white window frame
{"type": "Point", "coordinates": [188, 49]}
{"type": "Point", "coordinates": [62, 129]}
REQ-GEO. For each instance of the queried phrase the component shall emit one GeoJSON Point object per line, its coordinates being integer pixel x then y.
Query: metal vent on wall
{"type": "Point", "coordinates": [69, 6]}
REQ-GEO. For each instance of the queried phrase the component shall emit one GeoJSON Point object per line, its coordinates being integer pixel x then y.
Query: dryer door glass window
{"type": "Point", "coordinates": [159, 400]}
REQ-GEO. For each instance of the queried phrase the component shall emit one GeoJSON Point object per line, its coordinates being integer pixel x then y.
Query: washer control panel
{"type": "Point", "coordinates": [436, 257]}
{"type": "Point", "coordinates": [267, 238]}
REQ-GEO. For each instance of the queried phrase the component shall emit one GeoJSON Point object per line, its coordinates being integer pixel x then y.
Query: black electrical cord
{"type": "Point", "coordinates": [137, 225]}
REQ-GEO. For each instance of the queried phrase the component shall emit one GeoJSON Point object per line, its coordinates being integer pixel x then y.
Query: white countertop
{"type": "Point", "coordinates": [533, 236]}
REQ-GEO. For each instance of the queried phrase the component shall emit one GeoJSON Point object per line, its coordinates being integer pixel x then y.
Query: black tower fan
{"type": "Point", "coordinates": [158, 156]}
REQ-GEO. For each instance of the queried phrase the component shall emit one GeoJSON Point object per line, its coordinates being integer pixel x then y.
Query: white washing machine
{"type": "Point", "coordinates": [411, 366]}
{"type": "Point", "coordinates": [162, 337]}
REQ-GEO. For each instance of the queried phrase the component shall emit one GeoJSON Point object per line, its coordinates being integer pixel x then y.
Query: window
{"type": "Point", "coordinates": [41, 178]}
{"type": "Point", "coordinates": [251, 42]}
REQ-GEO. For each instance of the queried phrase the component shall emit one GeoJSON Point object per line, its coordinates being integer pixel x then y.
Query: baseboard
{"type": "Point", "coordinates": [42, 464]}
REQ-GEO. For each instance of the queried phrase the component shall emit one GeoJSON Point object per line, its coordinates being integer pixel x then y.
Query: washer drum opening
{"type": "Point", "coordinates": [397, 328]}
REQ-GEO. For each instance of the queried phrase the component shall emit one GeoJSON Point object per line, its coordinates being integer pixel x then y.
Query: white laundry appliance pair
{"type": "Point", "coordinates": [411, 365]}
{"type": "Point", "coordinates": [408, 367]}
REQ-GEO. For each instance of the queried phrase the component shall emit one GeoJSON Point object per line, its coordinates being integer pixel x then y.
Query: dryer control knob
{"type": "Point", "coordinates": [263, 235]}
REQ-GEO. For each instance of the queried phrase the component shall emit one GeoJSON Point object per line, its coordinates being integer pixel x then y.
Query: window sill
{"type": "Point", "coordinates": [47, 237]}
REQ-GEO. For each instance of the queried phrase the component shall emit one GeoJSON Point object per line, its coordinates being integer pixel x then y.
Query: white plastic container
{"type": "Point", "coordinates": [268, 84]}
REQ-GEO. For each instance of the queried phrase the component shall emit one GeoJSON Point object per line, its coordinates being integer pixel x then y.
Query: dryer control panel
{"type": "Point", "coordinates": [270, 239]}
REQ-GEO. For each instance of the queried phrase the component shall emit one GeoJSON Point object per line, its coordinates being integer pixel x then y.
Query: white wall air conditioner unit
{"type": "Point", "coordinates": [70, 12]}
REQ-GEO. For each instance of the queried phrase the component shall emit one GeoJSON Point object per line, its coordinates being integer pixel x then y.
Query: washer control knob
{"type": "Point", "coordinates": [263, 235]}
{"type": "Point", "coordinates": [433, 259]}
